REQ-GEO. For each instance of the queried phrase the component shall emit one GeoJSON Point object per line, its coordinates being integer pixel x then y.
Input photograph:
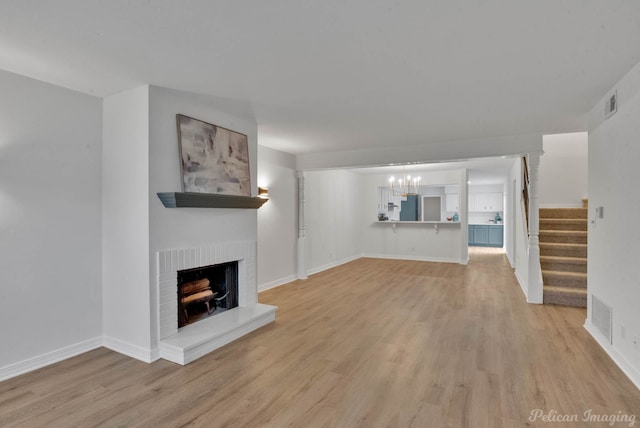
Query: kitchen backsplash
{"type": "Point", "coordinates": [483, 218]}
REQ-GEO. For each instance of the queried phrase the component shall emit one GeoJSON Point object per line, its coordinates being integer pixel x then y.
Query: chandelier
{"type": "Point", "coordinates": [405, 185]}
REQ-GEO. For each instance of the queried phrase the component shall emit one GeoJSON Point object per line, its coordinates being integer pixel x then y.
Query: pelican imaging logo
{"type": "Point", "coordinates": [539, 415]}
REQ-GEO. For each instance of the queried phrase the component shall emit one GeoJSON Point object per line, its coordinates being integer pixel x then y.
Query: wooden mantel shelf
{"type": "Point", "coordinates": [208, 200]}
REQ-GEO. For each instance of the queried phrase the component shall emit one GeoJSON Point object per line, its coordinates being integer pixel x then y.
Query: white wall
{"type": "Point", "coordinates": [614, 248]}
{"type": "Point", "coordinates": [333, 210]}
{"type": "Point", "coordinates": [191, 227]}
{"type": "Point", "coordinates": [277, 219]}
{"type": "Point", "coordinates": [410, 241]}
{"type": "Point", "coordinates": [563, 174]}
{"type": "Point", "coordinates": [433, 152]}
{"type": "Point", "coordinates": [341, 213]}
{"type": "Point", "coordinates": [177, 228]}
{"type": "Point", "coordinates": [125, 230]}
{"type": "Point", "coordinates": [50, 264]}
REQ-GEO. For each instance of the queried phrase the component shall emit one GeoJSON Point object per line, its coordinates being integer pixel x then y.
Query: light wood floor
{"type": "Point", "coordinates": [370, 343]}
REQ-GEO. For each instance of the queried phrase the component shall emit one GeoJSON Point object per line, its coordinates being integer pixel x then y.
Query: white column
{"type": "Point", "coordinates": [534, 294]}
{"type": "Point", "coordinates": [464, 217]}
{"type": "Point", "coordinates": [302, 228]}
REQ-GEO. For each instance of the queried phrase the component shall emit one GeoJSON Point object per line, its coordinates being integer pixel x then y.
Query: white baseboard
{"type": "Point", "coordinates": [384, 256]}
{"type": "Point", "coordinates": [414, 258]}
{"type": "Point", "coordinates": [154, 354]}
{"type": "Point", "coordinates": [134, 351]}
{"type": "Point", "coordinates": [523, 284]}
{"type": "Point", "coordinates": [333, 264]}
{"type": "Point", "coordinates": [387, 256]}
{"type": "Point", "coordinates": [627, 368]}
{"type": "Point", "coordinates": [276, 283]}
{"type": "Point", "coordinates": [52, 357]}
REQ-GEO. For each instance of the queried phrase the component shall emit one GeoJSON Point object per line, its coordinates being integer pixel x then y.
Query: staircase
{"type": "Point", "coordinates": [563, 255]}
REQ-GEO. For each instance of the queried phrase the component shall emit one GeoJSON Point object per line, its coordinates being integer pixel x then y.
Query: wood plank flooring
{"type": "Point", "coordinates": [372, 343]}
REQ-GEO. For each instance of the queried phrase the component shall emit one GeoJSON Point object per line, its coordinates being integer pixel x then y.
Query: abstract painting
{"type": "Point", "coordinates": [213, 159]}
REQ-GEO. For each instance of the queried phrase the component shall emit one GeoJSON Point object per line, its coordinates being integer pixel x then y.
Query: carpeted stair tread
{"type": "Point", "coordinates": [565, 296]}
{"type": "Point", "coordinates": [564, 279]}
{"type": "Point", "coordinates": [563, 213]}
{"type": "Point", "coordinates": [563, 224]}
{"type": "Point", "coordinates": [565, 264]}
{"type": "Point", "coordinates": [575, 260]}
{"type": "Point", "coordinates": [563, 250]}
{"type": "Point", "coordinates": [568, 290]}
{"type": "Point", "coordinates": [563, 255]}
{"type": "Point", "coordinates": [564, 236]}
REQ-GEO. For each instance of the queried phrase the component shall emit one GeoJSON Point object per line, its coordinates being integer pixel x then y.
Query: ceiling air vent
{"type": "Point", "coordinates": [601, 316]}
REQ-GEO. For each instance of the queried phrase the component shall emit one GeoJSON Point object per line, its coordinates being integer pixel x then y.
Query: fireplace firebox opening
{"type": "Point", "coordinates": [206, 291]}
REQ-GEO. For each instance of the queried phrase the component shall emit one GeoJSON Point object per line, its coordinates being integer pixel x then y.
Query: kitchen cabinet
{"type": "Point", "coordinates": [496, 237]}
{"type": "Point", "coordinates": [477, 201]}
{"type": "Point", "coordinates": [481, 235]}
{"type": "Point", "coordinates": [495, 201]}
{"type": "Point", "coordinates": [489, 235]}
{"type": "Point", "coordinates": [485, 202]}
{"type": "Point", "coordinates": [452, 202]}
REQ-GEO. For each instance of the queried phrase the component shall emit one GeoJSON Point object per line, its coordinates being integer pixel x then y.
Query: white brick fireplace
{"type": "Point", "coordinates": [195, 340]}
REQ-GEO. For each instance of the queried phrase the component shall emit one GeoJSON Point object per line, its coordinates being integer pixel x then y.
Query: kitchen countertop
{"type": "Point", "coordinates": [416, 222]}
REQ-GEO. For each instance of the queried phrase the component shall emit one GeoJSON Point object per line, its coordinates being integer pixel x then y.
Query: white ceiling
{"type": "Point", "coordinates": [342, 74]}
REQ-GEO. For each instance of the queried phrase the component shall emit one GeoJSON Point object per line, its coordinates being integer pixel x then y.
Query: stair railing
{"type": "Point", "coordinates": [525, 190]}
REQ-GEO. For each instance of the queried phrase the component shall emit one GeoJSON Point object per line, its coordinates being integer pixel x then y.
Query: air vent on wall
{"type": "Point", "coordinates": [601, 316]}
{"type": "Point", "coordinates": [611, 104]}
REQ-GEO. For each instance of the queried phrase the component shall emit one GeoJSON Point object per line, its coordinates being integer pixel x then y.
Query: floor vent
{"type": "Point", "coordinates": [601, 316]}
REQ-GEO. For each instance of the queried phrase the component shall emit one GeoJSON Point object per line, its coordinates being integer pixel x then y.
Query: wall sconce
{"type": "Point", "coordinates": [263, 192]}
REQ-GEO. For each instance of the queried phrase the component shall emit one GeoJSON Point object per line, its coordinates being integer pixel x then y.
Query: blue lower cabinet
{"type": "Point", "coordinates": [481, 235]}
{"type": "Point", "coordinates": [496, 236]}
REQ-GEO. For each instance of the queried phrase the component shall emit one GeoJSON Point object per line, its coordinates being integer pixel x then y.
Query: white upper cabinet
{"type": "Point", "coordinates": [485, 201]}
{"type": "Point", "coordinates": [495, 201]}
{"type": "Point", "coordinates": [453, 202]}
